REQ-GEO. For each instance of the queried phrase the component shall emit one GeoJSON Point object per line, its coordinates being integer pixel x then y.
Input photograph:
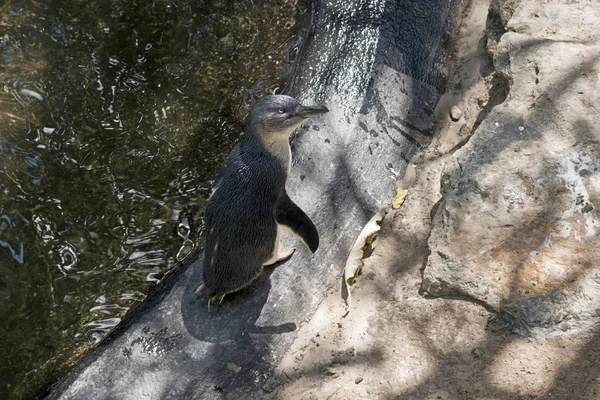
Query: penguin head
{"type": "Point", "coordinates": [276, 116]}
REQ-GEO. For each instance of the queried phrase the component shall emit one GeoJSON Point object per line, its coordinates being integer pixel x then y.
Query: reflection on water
{"type": "Point", "coordinates": [114, 116]}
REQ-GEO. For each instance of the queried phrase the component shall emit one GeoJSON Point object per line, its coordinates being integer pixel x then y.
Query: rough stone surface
{"type": "Point", "coordinates": [518, 227]}
{"type": "Point", "coordinates": [408, 346]}
{"type": "Point", "coordinates": [455, 113]}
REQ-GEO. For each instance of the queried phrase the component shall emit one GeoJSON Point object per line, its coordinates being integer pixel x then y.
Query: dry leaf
{"type": "Point", "coordinates": [363, 246]}
{"type": "Point", "coordinates": [234, 367]}
{"type": "Point", "coordinates": [399, 199]}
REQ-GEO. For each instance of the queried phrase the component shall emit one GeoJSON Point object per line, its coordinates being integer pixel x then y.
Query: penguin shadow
{"type": "Point", "coordinates": [233, 319]}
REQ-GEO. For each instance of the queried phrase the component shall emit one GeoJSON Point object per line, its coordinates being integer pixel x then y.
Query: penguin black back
{"type": "Point", "coordinates": [239, 220]}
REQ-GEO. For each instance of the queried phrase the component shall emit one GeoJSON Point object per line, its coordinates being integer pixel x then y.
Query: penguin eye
{"type": "Point", "coordinates": [281, 111]}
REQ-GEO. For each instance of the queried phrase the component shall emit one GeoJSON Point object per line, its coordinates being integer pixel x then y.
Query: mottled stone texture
{"type": "Point", "coordinates": [518, 226]}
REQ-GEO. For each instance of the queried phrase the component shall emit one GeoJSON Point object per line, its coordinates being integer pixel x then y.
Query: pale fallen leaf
{"type": "Point", "coordinates": [399, 199]}
{"type": "Point", "coordinates": [365, 243]}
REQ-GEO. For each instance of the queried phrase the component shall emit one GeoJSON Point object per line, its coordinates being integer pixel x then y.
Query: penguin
{"type": "Point", "coordinates": [249, 205]}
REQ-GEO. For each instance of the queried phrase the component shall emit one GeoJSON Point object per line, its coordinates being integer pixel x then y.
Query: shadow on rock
{"type": "Point", "coordinates": [233, 319]}
{"type": "Point", "coordinates": [230, 327]}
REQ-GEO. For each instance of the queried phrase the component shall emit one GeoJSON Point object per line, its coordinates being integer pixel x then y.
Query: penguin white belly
{"type": "Point", "coordinates": [289, 163]}
{"type": "Point", "coordinates": [279, 252]}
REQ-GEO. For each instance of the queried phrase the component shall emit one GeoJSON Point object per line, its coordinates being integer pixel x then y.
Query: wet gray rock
{"type": "Point", "coordinates": [518, 226]}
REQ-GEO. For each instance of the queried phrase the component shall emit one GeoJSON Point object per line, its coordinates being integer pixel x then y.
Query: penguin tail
{"type": "Point", "coordinates": [200, 291]}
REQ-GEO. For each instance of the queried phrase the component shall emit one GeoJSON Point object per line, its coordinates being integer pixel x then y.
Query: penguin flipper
{"type": "Point", "coordinates": [289, 214]}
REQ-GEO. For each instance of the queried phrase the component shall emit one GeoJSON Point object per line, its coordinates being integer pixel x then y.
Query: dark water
{"type": "Point", "coordinates": [114, 117]}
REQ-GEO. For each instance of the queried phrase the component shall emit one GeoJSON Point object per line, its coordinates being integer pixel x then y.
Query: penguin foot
{"type": "Point", "coordinates": [216, 297]}
{"type": "Point", "coordinates": [282, 256]}
{"type": "Point", "coordinates": [199, 292]}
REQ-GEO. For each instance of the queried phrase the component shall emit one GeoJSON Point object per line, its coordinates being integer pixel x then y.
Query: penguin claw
{"type": "Point", "coordinates": [215, 298]}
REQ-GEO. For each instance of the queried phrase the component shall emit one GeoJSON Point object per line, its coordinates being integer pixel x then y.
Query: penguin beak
{"type": "Point", "coordinates": [309, 111]}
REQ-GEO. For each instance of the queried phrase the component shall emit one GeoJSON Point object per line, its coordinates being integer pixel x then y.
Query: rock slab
{"type": "Point", "coordinates": [518, 226]}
